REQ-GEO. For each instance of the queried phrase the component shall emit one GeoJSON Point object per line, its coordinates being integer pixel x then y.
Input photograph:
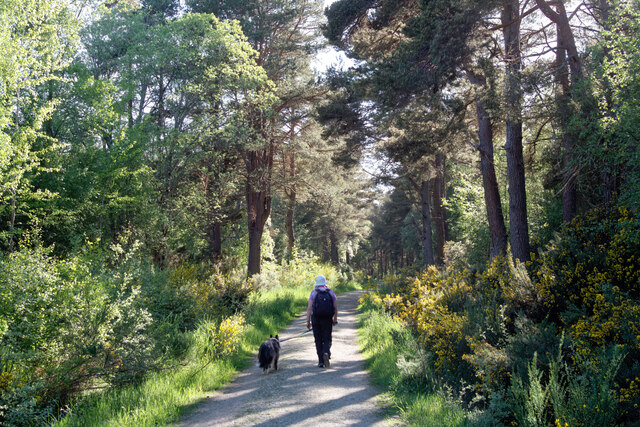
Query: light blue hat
{"type": "Point", "coordinates": [321, 281]}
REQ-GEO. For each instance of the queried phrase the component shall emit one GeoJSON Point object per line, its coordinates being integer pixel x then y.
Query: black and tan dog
{"type": "Point", "coordinates": [269, 353]}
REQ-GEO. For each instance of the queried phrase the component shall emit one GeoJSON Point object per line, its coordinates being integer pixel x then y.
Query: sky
{"type": "Point", "coordinates": [329, 56]}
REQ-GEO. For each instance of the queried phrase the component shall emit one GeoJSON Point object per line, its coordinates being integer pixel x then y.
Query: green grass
{"type": "Point", "coordinates": [163, 397]}
{"type": "Point", "coordinates": [159, 399]}
{"type": "Point", "coordinates": [351, 285]}
{"type": "Point", "coordinates": [382, 339]}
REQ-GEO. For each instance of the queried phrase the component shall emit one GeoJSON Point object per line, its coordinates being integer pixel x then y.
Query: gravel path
{"type": "Point", "coordinates": [300, 393]}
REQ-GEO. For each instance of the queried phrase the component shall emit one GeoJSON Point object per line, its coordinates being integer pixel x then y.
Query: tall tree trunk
{"type": "Point", "coordinates": [566, 43]}
{"type": "Point", "coordinates": [215, 241]}
{"type": "Point", "coordinates": [335, 257]}
{"type": "Point", "coordinates": [291, 208]}
{"type": "Point", "coordinates": [326, 246]}
{"type": "Point", "coordinates": [258, 194]}
{"type": "Point", "coordinates": [610, 173]}
{"type": "Point", "coordinates": [563, 101]}
{"type": "Point", "coordinates": [518, 226]}
{"type": "Point", "coordinates": [426, 234]}
{"type": "Point", "coordinates": [12, 221]}
{"type": "Point", "coordinates": [492, 201]}
{"type": "Point", "coordinates": [439, 214]}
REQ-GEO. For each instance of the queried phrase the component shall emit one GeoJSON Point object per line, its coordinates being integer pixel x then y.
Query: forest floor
{"type": "Point", "coordinates": [300, 393]}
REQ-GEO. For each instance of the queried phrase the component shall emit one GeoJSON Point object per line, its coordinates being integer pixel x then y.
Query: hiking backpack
{"type": "Point", "coordinates": [323, 304]}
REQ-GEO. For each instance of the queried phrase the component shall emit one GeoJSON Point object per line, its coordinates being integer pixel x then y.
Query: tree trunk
{"type": "Point", "coordinates": [335, 257]}
{"type": "Point", "coordinates": [609, 172]}
{"type": "Point", "coordinates": [256, 229]}
{"type": "Point", "coordinates": [518, 225]}
{"type": "Point", "coordinates": [439, 214]}
{"type": "Point", "coordinates": [492, 202]}
{"type": "Point", "coordinates": [12, 221]}
{"type": "Point", "coordinates": [291, 208]}
{"type": "Point", "coordinates": [566, 44]}
{"type": "Point", "coordinates": [426, 234]}
{"type": "Point", "coordinates": [215, 242]}
{"type": "Point", "coordinates": [326, 249]}
{"type": "Point", "coordinates": [563, 101]}
{"type": "Point", "coordinates": [258, 194]}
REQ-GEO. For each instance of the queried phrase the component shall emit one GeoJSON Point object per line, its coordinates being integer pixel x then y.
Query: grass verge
{"type": "Point", "coordinates": [397, 364]}
{"type": "Point", "coordinates": [163, 397]}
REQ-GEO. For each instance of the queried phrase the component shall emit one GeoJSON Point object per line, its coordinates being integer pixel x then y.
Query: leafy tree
{"type": "Point", "coordinates": [182, 110]}
{"type": "Point", "coordinates": [609, 125]}
{"type": "Point", "coordinates": [284, 35]}
{"type": "Point", "coordinates": [37, 39]}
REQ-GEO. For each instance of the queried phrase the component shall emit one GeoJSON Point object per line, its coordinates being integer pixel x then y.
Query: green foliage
{"type": "Point", "coordinates": [219, 340]}
{"type": "Point", "coordinates": [469, 229]}
{"type": "Point", "coordinates": [493, 336]}
{"type": "Point", "coordinates": [22, 404]}
{"type": "Point", "coordinates": [218, 347]}
{"type": "Point", "coordinates": [589, 278]}
{"type": "Point", "coordinates": [529, 400]}
{"type": "Point", "coordinates": [588, 281]}
{"type": "Point", "coordinates": [224, 296]}
{"type": "Point", "coordinates": [37, 39]}
{"type": "Point", "coordinates": [586, 394]}
{"type": "Point", "coordinates": [64, 327]}
{"type": "Point", "coordinates": [609, 123]}
{"type": "Point", "coordinates": [583, 395]}
{"type": "Point", "coordinates": [398, 362]}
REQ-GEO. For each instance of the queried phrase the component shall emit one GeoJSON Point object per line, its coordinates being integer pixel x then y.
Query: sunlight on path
{"type": "Point", "coordinates": [300, 393]}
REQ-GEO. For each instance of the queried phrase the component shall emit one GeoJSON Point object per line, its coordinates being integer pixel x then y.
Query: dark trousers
{"type": "Point", "coordinates": [322, 328]}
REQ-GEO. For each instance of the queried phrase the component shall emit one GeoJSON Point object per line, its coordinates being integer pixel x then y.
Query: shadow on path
{"type": "Point", "coordinates": [300, 393]}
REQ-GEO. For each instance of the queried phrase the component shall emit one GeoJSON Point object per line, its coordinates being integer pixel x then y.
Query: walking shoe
{"type": "Point", "coordinates": [325, 357]}
{"type": "Point", "coordinates": [320, 365]}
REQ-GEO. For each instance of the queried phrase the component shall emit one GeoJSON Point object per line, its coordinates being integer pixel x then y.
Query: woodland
{"type": "Point", "coordinates": [173, 175]}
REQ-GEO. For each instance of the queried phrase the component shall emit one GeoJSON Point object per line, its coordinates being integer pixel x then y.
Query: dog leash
{"type": "Point", "coordinates": [297, 336]}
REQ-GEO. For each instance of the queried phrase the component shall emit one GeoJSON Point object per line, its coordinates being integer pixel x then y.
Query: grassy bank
{"type": "Point", "coordinates": [163, 397]}
{"type": "Point", "coordinates": [396, 364]}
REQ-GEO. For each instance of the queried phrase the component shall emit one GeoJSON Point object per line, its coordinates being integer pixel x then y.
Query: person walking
{"type": "Point", "coordinates": [322, 314]}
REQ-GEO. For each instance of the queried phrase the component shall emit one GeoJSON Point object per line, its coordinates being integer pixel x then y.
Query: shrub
{"type": "Point", "coordinates": [63, 328]}
{"type": "Point", "coordinates": [225, 297]}
{"type": "Point", "coordinates": [580, 395]}
{"type": "Point", "coordinates": [598, 251]}
{"type": "Point", "coordinates": [589, 280]}
{"type": "Point", "coordinates": [433, 306]}
{"type": "Point", "coordinates": [585, 394]}
{"type": "Point", "coordinates": [496, 330]}
{"type": "Point", "coordinates": [401, 364]}
{"type": "Point", "coordinates": [216, 340]}
{"type": "Point", "coordinates": [528, 399]}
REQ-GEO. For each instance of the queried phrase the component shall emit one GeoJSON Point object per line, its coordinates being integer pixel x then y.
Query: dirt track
{"type": "Point", "coordinates": [300, 393]}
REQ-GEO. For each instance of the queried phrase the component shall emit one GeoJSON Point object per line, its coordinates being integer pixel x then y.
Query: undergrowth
{"type": "Point", "coordinates": [218, 350]}
{"type": "Point", "coordinates": [397, 363]}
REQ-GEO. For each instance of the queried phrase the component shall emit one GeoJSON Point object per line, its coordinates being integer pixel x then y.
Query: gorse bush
{"type": "Point", "coordinates": [493, 336]}
{"type": "Point", "coordinates": [589, 281]}
{"type": "Point", "coordinates": [216, 340]}
{"type": "Point", "coordinates": [400, 364]}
